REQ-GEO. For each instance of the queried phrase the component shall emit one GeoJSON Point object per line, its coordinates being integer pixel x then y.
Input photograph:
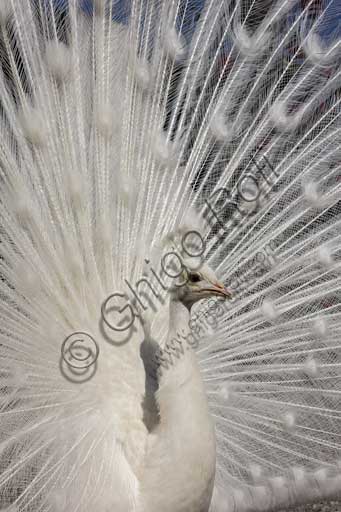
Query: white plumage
{"type": "Point", "coordinates": [152, 153]}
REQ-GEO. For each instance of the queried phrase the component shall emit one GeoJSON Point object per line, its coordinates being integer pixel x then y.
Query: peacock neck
{"type": "Point", "coordinates": [179, 314]}
{"type": "Point", "coordinates": [182, 446]}
{"type": "Point", "coordinates": [183, 366]}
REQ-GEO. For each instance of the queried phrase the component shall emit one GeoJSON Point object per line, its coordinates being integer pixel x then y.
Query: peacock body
{"type": "Point", "coordinates": [169, 255]}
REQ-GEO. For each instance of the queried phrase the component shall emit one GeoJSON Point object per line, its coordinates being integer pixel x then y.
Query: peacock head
{"type": "Point", "coordinates": [199, 283]}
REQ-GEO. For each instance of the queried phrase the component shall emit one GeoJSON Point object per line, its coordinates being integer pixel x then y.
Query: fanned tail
{"type": "Point", "coordinates": [125, 128]}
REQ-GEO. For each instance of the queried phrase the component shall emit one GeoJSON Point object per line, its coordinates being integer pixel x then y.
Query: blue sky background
{"type": "Point", "coordinates": [330, 27]}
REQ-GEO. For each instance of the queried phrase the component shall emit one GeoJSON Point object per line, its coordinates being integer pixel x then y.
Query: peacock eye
{"type": "Point", "coordinates": [194, 277]}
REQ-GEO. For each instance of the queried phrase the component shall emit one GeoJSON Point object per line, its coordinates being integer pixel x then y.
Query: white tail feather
{"type": "Point", "coordinates": [127, 132]}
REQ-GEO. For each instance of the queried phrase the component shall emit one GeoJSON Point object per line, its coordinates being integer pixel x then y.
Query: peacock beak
{"type": "Point", "coordinates": [225, 292]}
{"type": "Point", "coordinates": [220, 290]}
